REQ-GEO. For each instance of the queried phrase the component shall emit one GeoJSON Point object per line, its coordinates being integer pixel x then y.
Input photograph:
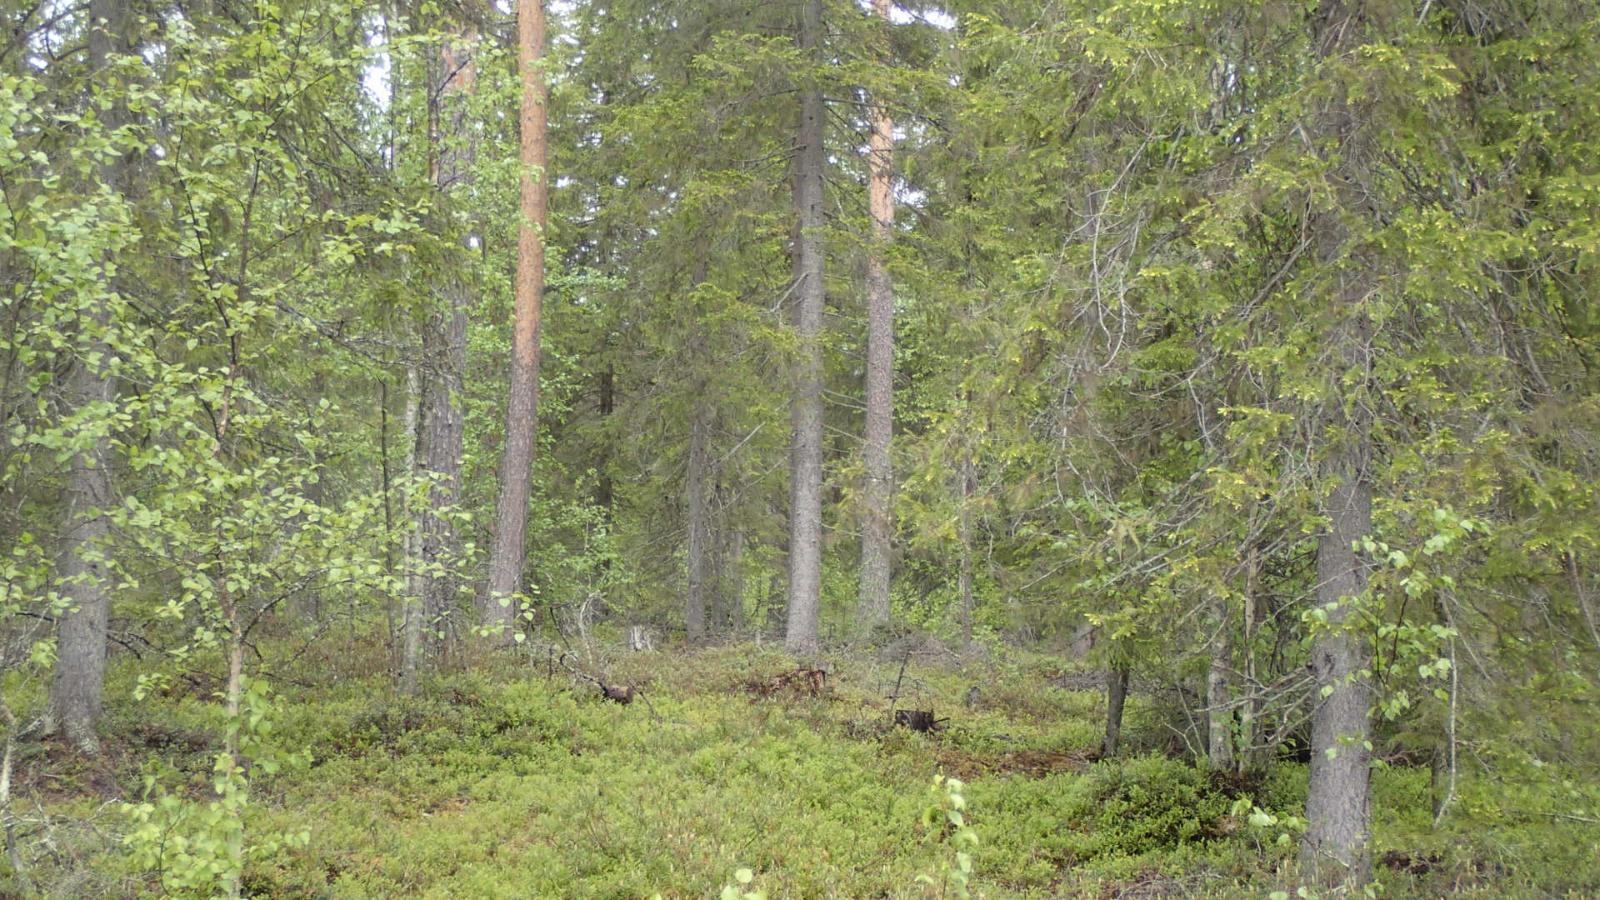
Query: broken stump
{"type": "Point", "coordinates": [916, 719]}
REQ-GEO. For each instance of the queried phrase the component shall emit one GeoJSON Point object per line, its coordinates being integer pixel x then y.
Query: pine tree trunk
{"type": "Point", "coordinates": [516, 470]}
{"type": "Point", "coordinates": [1335, 850]}
{"type": "Point", "coordinates": [805, 481]}
{"type": "Point", "coordinates": [694, 614]}
{"type": "Point", "coordinates": [77, 691]}
{"type": "Point", "coordinates": [877, 526]}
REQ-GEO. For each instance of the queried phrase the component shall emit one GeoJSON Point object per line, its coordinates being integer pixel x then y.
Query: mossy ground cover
{"type": "Point", "coordinates": [512, 779]}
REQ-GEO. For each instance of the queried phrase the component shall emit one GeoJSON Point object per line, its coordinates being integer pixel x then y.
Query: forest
{"type": "Point", "coordinates": [800, 448]}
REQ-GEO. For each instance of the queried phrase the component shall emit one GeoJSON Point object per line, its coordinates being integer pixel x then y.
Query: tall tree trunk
{"type": "Point", "coordinates": [415, 608]}
{"type": "Point", "coordinates": [1337, 814]}
{"type": "Point", "coordinates": [439, 450]}
{"type": "Point", "coordinates": [694, 613]}
{"type": "Point", "coordinates": [411, 620]}
{"type": "Point", "coordinates": [1219, 690]}
{"type": "Point", "coordinates": [442, 424]}
{"type": "Point", "coordinates": [805, 480]}
{"type": "Point", "coordinates": [77, 691]}
{"type": "Point", "coordinates": [1336, 848]}
{"type": "Point", "coordinates": [1116, 699]}
{"type": "Point", "coordinates": [516, 469]}
{"type": "Point", "coordinates": [877, 526]}
{"type": "Point", "coordinates": [964, 537]}
{"type": "Point", "coordinates": [386, 489]}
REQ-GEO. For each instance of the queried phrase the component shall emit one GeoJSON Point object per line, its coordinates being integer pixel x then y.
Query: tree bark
{"type": "Point", "coordinates": [516, 475]}
{"type": "Point", "coordinates": [805, 481]}
{"type": "Point", "coordinates": [694, 614]}
{"type": "Point", "coordinates": [1219, 691]}
{"type": "Point", "coordinates": [1116, 699]}
{"type": "Point", "coordinates": [77, 691]}
{"type": "Point", "coordinates": [1336, 846]}
{"type": "Point", "coordinates": [1250, 756]}
{"type": "Point", "coordinates": [1337, 813]}
{"type": "Point", "coordinates": [734, 600]}
{"type": "Point", "coordinates": [415, 608]}
{"type": "Point", "coordinates": [442, 424]}
{"type": "Point", "coordinates": [439, 451]}
{"type": "Point", "coordinates": [386, 489]}
{"type": "Point", "coordinates": [878, 495]}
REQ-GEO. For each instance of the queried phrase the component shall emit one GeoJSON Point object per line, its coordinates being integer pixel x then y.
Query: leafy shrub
{"type": "Point", "coordinates": [1152, 803]}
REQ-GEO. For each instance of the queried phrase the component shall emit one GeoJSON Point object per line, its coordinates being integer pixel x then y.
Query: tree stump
{"type": "Point", "coordinates": [916, 719]}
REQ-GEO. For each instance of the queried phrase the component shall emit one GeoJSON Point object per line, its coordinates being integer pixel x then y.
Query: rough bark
{"type": "Point", "coordinates": [516, 469]}
{"type": "Point", "coordinates": [805, 480]}
{"type": "Point", "coordinates": [77, 690]}
{"type": "Point", "coordinates": [878, 492]}
{"type": "Point", "coordinates": [695, 601]}
{"type": "Point", "coordinates": [1116, 700]}
{"type": "Point", "coordinates": [1337, 813]}
{"type": "Point", "coordinates": [1336, 846]}
{"type": "Point", "coordinates": [442, 423]}
{"type": "Point", "coordinates": [439, 450]}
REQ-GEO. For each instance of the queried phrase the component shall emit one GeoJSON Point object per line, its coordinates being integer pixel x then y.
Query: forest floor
{"type": "Point", "coordinates": [516, 779]}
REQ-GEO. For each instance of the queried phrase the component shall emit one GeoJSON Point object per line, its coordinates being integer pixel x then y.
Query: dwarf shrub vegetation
{"type": "Point", "coordinates": [506, 781]}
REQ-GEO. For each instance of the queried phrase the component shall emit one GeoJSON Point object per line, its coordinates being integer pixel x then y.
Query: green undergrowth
{"type": "Point", "coordinates": [513, 779]}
